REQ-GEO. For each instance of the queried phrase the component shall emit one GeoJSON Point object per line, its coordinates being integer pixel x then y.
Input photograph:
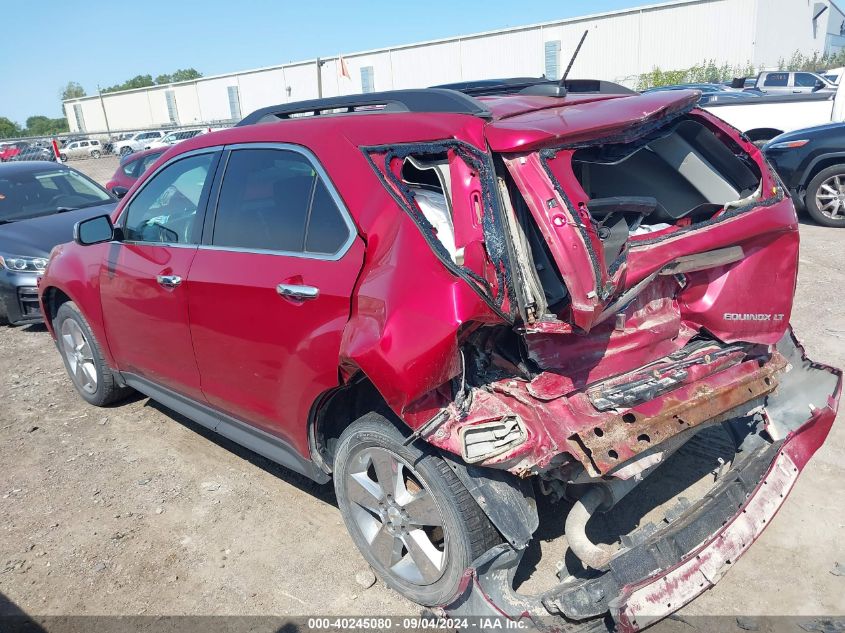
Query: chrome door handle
{"type": "Point", "coordinates": [298, 292]}
{"type": "Point", "coordinates": [169, 281]}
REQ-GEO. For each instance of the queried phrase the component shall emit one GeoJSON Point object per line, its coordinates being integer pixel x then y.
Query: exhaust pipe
{"type": "Point", "coordinates": [601, 497]}
{"type": "Point", "coordinates": [592, 555]}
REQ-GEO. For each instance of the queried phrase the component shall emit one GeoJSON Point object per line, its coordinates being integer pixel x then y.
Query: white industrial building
{"type": "Point", "coordinates": [621, 45]}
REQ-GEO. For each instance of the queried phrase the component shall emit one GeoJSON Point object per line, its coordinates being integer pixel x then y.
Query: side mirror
{"type": "Point", "coordinates": [94, 231]}
{"type": "Point", "coordinates": [120, 191]}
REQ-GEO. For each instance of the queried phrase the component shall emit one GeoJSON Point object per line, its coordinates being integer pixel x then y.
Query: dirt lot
{"type": "Point", "coordinates": [135, 510]}
{"type": "Point", "coordinates": [98, 169]}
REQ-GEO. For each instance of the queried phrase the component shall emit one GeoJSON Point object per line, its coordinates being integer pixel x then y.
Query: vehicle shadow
{"type": "Point", "coordinates": [323, 492]}
{"type": "Point", "coordinates": [33, 328]}
{"type": "Point", "coordinates": [683, 478]}
{"type": "Point", "coordinates": [13, 619]}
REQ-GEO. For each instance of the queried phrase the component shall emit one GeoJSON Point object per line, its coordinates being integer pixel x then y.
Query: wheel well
{"type": "Point", "coordinates": [339, 408]}
{"type": "Point", "coordinates": [762, 134]}
{"type": "Point", "coordinates": [824, 163]}
{"type": "Point", "coordinates": [53, 300]}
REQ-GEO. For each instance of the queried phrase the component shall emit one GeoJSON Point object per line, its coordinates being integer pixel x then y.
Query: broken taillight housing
{"type": "Point", "coordinates": [483, 441]}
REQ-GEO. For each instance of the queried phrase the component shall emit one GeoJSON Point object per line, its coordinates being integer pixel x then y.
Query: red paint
{"type": "Point", "coordinates": [261, 357]}
{"type": "Point", "coordinates": [393, 311]}
{"type": "Point", "coordinates": [576, 118]}
{"type": "Point", "coordinates": [145, 324]}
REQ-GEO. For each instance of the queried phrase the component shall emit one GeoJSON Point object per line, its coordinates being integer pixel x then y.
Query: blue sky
{"type": "Point", "coordinates": [106, 42]}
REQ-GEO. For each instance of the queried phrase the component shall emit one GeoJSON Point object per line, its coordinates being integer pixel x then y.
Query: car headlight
{"type": "Point", "coordinates": [23, 264]}
{"type": "Point", "coordinates": [788, 144]}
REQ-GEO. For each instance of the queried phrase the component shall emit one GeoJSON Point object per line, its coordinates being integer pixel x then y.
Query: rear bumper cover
{"type": "Point", "coordinates": [662, 574]}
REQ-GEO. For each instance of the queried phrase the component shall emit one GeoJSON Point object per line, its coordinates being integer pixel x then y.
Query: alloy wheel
{"type": "Point", "coordinates": [397, 515]}
{"type": "Point", "coordinates": [80, 357]}
{"type": "Point", "coordinates": [830, 197]}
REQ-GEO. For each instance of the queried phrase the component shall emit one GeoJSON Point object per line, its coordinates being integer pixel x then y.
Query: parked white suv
{"type": "Point", "coordinates": [173, 137]}
{"type": "Point", "coordinates": [81, 149]}
{"type": "Point", "coordinates": [138, 142]}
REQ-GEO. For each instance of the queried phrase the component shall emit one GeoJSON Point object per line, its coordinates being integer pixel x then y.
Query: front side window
{"type": "Point", "coordinates": [165, 210]}
{"type": "Point", "coordinates": [275, 200]}
{"type": "Point", "coordinates": [805, 80]}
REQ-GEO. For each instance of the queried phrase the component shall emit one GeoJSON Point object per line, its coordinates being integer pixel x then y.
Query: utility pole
{"type": "Point", "coordinates": [103, 106]}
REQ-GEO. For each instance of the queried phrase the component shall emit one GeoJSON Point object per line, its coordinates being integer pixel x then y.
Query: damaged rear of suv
{"type": "Point", "coordinates": [562, 290]}
{"type": "Point", "coordinates": [637, 259]}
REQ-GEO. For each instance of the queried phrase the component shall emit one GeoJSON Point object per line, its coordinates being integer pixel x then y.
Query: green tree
{"type": "Point", "coordinates": [145, 81]}
{"type": "Point", "coordinates": [8, 128]}
{"type": "Point", "coordinates": [72, 90]}
{"type": "Point", "coordinates": [40, 125]}
{"type": "Point", "coordinates": [138, 81]}
{"type": "Point", "coordinates": [186, 74]}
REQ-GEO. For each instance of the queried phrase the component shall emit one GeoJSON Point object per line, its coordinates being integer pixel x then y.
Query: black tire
{"type": "Point", "coordinates": [63, 157]}
{"type": "Point", "coordinates": [466, 532]}
{"type": "Point", "coordinates": [95, 153]}
{"type": "Point", "coordinates": [107, 390]}
{"type": "Point", "coordinates": [125, 151]}
{"type": "Point", "coordinates": [812, 204]}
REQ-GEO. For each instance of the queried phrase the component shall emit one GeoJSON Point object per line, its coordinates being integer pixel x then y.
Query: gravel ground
{"type": "Point", "coordinates": [98, 169]}
{"type": "Point", "coordinates": [135, 510]}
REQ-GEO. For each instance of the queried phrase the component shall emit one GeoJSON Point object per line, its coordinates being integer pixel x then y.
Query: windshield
{"type": "Point", "coordinates": [36, 193]}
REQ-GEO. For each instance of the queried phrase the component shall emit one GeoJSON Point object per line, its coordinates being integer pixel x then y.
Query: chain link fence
{"type": "Point", "coordinates": [98, 154]}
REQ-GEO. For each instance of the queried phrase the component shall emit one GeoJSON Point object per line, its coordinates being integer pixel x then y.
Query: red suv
{"type": "Point", "coordinates": [452, 302]}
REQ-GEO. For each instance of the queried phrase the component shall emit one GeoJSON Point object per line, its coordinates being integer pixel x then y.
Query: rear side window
{"type": "Point", "coordinates": [145, 163]}
{"type": "Point", "coordinates": [275, 200]}
{"type": "Point", "coordinates": [776, 80]}
{"type": "Point", "coordinates": [131, 168]}
{"type": "Point", "coordinates": [165, 209]}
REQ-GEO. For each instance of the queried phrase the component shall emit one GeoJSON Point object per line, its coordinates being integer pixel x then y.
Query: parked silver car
{"type": "Point", "coordinates": [786, 82]}
{"type": "Point", "coordinates": [89, 148]}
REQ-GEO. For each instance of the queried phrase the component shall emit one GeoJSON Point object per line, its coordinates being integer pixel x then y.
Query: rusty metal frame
{"type": "Point", "coordinates": [628, 434]}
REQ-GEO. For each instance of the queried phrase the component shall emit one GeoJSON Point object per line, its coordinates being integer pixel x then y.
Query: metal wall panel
{"type": "Point", "coordinates": [261, 89]}
{"type": "Point", "coordinates": [512, 54]}
{"type": "Point", "coordinates": [426, 65]}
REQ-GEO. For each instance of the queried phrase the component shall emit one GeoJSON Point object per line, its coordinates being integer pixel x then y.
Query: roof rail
{"type": "Point", "coordinates": [416, 100]}
{"type": "Point", "coordinates": [537, 86]}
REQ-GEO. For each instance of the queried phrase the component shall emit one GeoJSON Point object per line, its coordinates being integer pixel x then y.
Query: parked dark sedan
{"type": "Point", "coordinates": [811, 163]}
{"type": "Point", "coordinates": [39, 204]}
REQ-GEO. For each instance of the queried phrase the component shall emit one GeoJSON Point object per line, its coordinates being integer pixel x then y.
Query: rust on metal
{"type": "Point", "coordinates": [628, 434]}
